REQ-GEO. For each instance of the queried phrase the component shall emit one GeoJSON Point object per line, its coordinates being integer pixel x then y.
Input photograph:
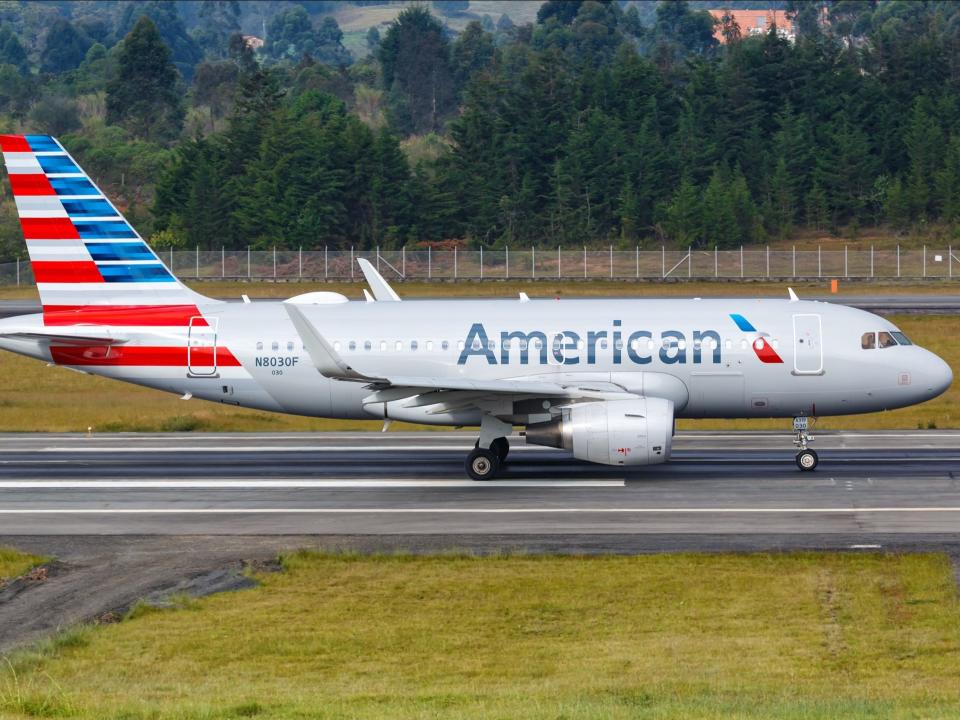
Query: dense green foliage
{"type": "Point", "coordinates": [602, 122]}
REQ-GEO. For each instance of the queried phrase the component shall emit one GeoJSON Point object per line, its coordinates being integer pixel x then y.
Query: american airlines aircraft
{"type": "Point", "coordinates": [605, 379]}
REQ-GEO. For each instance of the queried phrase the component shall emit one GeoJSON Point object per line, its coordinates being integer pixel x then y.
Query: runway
{"type": "Point", "coordinates": [868, 485]}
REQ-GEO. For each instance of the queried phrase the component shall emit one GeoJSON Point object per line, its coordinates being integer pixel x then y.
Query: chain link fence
{"type": "Point", "coordinates": [540, 264]}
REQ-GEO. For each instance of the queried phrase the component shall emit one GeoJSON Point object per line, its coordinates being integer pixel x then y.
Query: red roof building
{"type": "Point", "coordinates": [755, 22]}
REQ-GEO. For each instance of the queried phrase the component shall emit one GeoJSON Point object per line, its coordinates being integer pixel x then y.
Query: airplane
{"type": "Point", "coordinates": [605, 379]}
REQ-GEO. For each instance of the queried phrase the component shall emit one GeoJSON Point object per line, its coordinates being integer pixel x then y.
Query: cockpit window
{"type": "Point", "coordinates": [868, 341]}
{"type": "Point", "coordinates": [885, 340]}
{"type": "Point", "coordinates": [901, 338]}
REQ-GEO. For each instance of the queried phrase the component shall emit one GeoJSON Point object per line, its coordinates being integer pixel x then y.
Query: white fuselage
{"type": "Point", "coordinates": [795, 358]}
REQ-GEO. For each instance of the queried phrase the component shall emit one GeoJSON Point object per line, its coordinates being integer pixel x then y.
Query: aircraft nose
{"type": "Point", "coordinates": [936, 375]}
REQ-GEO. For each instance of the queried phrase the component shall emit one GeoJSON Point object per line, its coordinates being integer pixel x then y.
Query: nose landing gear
{"type": "Point", "coordinates": [807, 459]}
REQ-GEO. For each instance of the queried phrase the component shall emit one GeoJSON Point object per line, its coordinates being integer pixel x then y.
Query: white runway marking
{"type": "Point", "coordinates": [294, 483]}
{"type": "Point", "coordinates": [471, 511]}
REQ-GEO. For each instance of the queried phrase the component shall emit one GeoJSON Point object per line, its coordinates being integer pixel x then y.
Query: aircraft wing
{"type": "Point", "coordinates": [331, 365]}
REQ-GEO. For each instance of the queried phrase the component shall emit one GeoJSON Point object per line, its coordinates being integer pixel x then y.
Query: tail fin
{"type": "Point", "coordinates": [87, 260]}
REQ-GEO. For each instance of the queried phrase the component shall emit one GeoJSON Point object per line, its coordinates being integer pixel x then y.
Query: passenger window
{"type": "Point", "coordinates": [444, 345]}
{"type": "Point", "coordinates": [603, 344]}
{"type": "Point", "coordinates": [413, 345]}
{"type": "Point", "coordinates": [290, 345]}
{"type": "Point", "coordinates": [275, 345]}
{"type": "Point", "coordinates": [727, 344]}
{"type": "Point", "coordinates": [460, 345]}
{"type": "Point", "coordinates": [383, 346]}
{"type": "Point", "coordinates": [430, 345]}
{"type": "Point", "coordinates": [743, 344]}
{"type": "Point", "coordinates": [901, 338]}
{"type": "Point", "coordinates": [491, 345]}
{"type": "Point", "coordinates": [353, 345]}
{"type": "Point", "coordinates": [399, 346]}
{"type": "Point", "coordinates": [259, 345]}
{"type": "Point", "coordinates": [367, 345]}
{"type": "Point", "coordinates": [868, 341]}
{"type": "Point", "coordinates": [885, 340]}
{"type": "Point", "coordinates": [336, 345]}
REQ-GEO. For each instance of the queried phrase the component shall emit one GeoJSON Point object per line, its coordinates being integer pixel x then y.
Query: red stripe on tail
{"type": "Point", "coordinates": [31, 185]}
{"type": "Point", "coordinates": [14, 143]}
{"type": "Point", "coordinates": [123, 315]}
{"type": "Point", "coordinates": [66, 271]}
{"type": "Point", "coordinates": [112, 355]}
{"type": "Point", "coordinates": [49, 229]}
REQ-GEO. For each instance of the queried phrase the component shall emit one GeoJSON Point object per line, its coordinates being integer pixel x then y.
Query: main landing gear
{"type": "Point", "coordinates": [490, 452]}
{"type": "Point", "coordinates": [807, 459]}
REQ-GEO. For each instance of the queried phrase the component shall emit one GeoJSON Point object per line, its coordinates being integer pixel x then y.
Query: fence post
{"type": "Point", "coordinates": [378, 258]}
{"type": "Point", "coordinates": [924, 260]}
{"type": "Point", "coordinates": [768, 262]}
{"type": "Point", "coordinates": [300, 263]}
{"type": "Point", "coordinates": [18, 271]}
{"type": "Point", "coordinates": [403, 262]}
{"type": "Point", "coordinates": [611, 261]}
{"type": "Point", "coordinates": [351, 262]}
{"type": "Point", "coordinates": [454, 262]}
{"type": "Point", "coordinates": [689, 261]}
{"type": "Point", "coordinates": [794, 273]}
{"type": "Point", "coordinates": [481, 262]}
{"type": "Point", "coordinates": [819, 262]}
{"type": "Point", "coordinates": [196, 271]}
{"type": "Point", "coordinates": [223, 262]}
{"type": "Point", "coordinates": [429, 262]}
{"type": "Point", "coordinates": [845, 260]}
{"type": "Point", "coordinates": [950, 261]}
{"type": "Point", "coordinates": [638, 262]}
{"type": "Point", "coordinates": [326, 264]}
{"type": "Point", "coordinates": [507, 261]}
{"type": "Point", "coordinates": [898, 260]}
{"type": "Point", "coordinates": [533, 262]}
{"type": "Point", "coordinates": [274, 262]}
{"type": "Point", "coordinates": [663, 261]}
{"type": "Point", "coordinates": [558, 263]}
{"type": "Point", "coordinates": [871, 261]}
{"type": "Point", "coordinates": [584, 262]}
{"type": "Point", "coordinates": [716, 262]}
{"type": "Point", "coordinates": [741, 261]}
{"type": "Point", "coordinates": [248, 261]}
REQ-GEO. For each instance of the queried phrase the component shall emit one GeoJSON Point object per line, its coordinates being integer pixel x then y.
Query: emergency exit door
{"type": "Point", "coordinates": [202, 346]}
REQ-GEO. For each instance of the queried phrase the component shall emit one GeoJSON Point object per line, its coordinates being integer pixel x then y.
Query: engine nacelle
{"type": "Point", "coordinates": [611, 432]}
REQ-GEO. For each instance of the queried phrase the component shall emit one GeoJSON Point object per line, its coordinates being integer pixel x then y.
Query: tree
{"type": "Point", "coordinates": [220, 20]}
{"type": "Point", "coordinates": [145, 95]}
{"type": "Point", "coordinates": [11, 51]}
{"type": "Point", "coordinates": [373, 38]}
{"type": "Point", "coordinates": [65, 48]}
{"type": "Point", "coordinates": [291, 36]}
{"type": "Point", "coordinates": [55, 114]}
{"type": "Point", "coordinates": [473, 51]}
{"type": "Point", "coordinates": [682, 217]}
{"type": "Point", "coordinates": [185, 53]}
{"type": "Point", "coordinates": [415, 57]}
{"type": "Point", "coordinates": [215, 85]}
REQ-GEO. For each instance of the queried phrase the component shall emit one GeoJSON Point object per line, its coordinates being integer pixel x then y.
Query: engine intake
{"type": "Point", "coordinates": [612, 432]}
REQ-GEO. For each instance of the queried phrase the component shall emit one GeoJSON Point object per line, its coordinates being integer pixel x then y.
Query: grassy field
{"type": "Point", "coordinates": [14, 564]}
{"type": "Point", "coordinates": [804, 636]}
{"type": "Point", "coordinates": [38, 398]}
{"type": "Point", "coordinates": [552, 288]}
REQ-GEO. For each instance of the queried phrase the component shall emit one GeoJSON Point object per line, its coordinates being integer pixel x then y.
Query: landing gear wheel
{"type": "Point", "coordinates": [501, 447]}
{"type": "Point", "coordinates": [483, 464]}
{"type": "Point", "coordinates": [807, 460]}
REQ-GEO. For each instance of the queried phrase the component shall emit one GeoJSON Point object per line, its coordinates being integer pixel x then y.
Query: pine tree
{"type": "Point", "coordinates": [65, 48]}
{"type": "Point", "coordinates": [947, 183]}
{"type": "Point", "coordinates": [682, 217]}
{"type": "Point", "coordinates": [145, 95]}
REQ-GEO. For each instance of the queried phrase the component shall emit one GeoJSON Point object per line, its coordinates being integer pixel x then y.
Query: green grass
{"type": "Point", "coordinates": [14, 563]}
{"type": "Point", "coordinates": [551, 288]}
{"type": "Point", "coordinates": [671, 636]}
{"type": "Point", "coordinates": [38, 398]}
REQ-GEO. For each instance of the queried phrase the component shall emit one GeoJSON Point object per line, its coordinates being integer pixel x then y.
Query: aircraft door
{"type": "Point", "coordinates": [202, 346]}
{"type": "Point", "coordinates": [807, 344]}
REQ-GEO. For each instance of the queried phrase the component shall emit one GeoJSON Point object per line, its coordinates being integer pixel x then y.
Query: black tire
{"type": "Point", "coordinates": [501, 447]}
{"type": "Point", "coordinates": [807, 460]}
{"type": "Point", "coordinates": [482, 464]}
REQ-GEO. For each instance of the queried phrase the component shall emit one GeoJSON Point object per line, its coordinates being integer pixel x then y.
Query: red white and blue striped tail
{"type": "Point", "coordinates": [89, 264]}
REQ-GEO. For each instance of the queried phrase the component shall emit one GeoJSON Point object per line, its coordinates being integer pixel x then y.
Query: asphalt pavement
{"type": "Point", "coordinates": [744, 484]}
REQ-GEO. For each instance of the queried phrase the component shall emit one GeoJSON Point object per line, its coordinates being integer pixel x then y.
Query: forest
{"type": "Point", "coordinates": [592, 123]}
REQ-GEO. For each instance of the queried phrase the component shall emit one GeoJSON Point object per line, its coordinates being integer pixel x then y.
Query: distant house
{"type": "Point", "coordinates": [755, 22]}
{"type": "Point", "coordinates": [253, 42]}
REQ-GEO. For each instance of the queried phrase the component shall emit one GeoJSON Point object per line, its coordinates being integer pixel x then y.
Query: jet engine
{"type": "Point", "coordinates": [611, 432]}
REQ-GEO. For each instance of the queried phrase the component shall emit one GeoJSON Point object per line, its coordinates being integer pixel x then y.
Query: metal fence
{"type": "Point", "coordinates": [541, 264]}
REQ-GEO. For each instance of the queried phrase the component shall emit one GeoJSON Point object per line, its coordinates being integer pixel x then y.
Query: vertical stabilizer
{"type": "Point", "coordinates": [89, 264]}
